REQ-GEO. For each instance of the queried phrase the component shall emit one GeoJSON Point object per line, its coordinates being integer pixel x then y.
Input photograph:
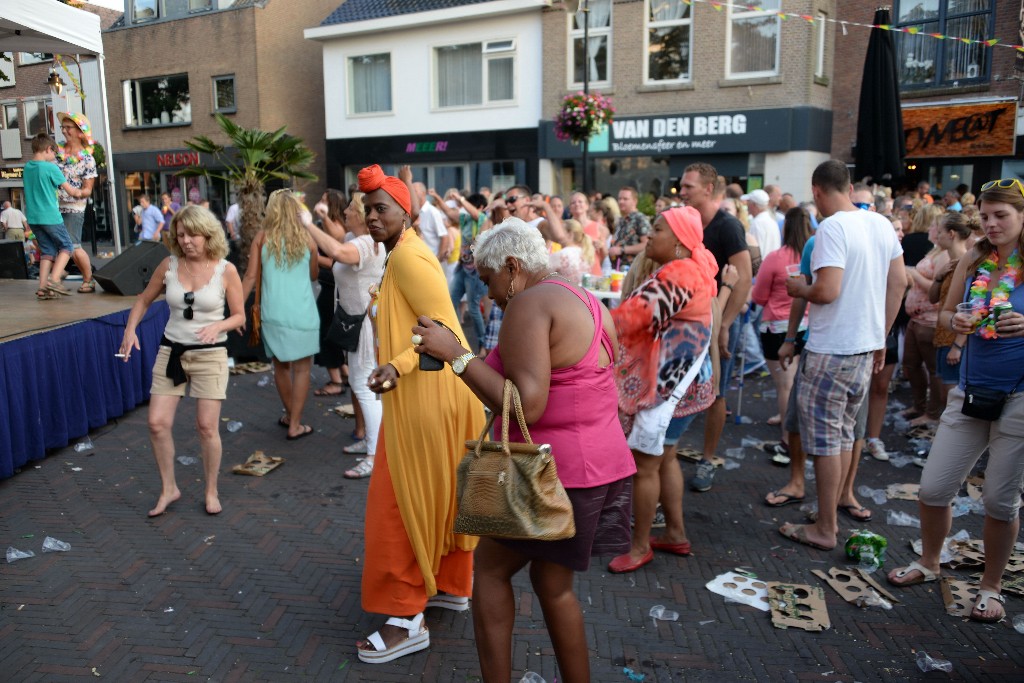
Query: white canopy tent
{"type": "Point", "coordinates": [51, 26]}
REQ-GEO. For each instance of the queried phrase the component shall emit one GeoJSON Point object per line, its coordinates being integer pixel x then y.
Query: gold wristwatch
{"type": "Point", "coordinates": [460, 364]}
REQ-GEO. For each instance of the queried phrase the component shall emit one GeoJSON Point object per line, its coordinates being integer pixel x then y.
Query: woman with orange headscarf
{"type": "Point", "coordinates": [664, 328]}
{"type": "Point", "coordinates": [414, 561]}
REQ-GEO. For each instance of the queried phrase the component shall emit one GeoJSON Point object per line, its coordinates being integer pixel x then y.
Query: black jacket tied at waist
{"type": "Point", "coordinates": [174, 370]}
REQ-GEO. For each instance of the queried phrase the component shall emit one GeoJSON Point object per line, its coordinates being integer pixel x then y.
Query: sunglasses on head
{"type": "Point", "coordinates": [190, 298]}
{"type": "Point", "coordinates": [1004, 183]}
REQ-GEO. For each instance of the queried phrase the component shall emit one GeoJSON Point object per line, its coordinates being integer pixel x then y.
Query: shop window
{"type": "Point", "coordinates": [753, 40]}
{"type": "Point", "coordinates": [27, 58]}
{"type": "Point", "coordinates": [6, 69]}
{"type": "Point", "coordinates": [668, 40]}
{"type": "Point", "coordinates": [594, 52]}
{"type": "Point", "coordinates": [157, 101]}
{"type": "Point", "coordinates": [924, 61]}
{"type": "Point", "coordinates": [38, 118]}
{"type": "Point", "coordinates": [369, 78]}
{"type": "Point", "coordinates": [224, 94]}
{"type": "Point", "coordinates": [475, 74]}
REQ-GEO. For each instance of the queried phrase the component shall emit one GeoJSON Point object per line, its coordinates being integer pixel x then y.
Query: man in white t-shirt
{"type": "Point", "coordinates": [859, 280]}
{"type": "Point", "coordinates": [432, 227]}
{"type": "Point", "coordinates": [762, 226]}
{"type": "Point", "coordinates": [233, 221]}
{"type": "Point", "coordinates": [13, 222]}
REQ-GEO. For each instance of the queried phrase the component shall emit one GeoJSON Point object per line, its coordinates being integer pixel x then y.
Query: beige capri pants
{"type": "Point", "coordinates": [960, 441]}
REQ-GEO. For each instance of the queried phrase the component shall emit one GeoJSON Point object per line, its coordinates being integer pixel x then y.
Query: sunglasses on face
{"type": "Point", "coordinates": [190, 298]}
{"type": "Point", "coordinates": [862, 205]}
{"type": "Point", "coordinates": [512, 199]}
{"type": "Point", "coordinates": [1004, 183]}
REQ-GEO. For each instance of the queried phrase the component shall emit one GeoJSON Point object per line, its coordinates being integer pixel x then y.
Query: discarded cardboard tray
{"type": "Point", "coordinates": [955, 558]}
{"type": "Point", "coordinates": [852, 584]}
{"type": "Point", "coordinates": [902, 491]}
{"type": "Point", "coordinates": [249, 368]}
{"type": "Point", "coordinates": [258, 464]}
{"type": "Point", "coordinates": [973, 554]}
{"type": "Point", "coordinates": [958, 596]}
{"type": "Point", "coordinates": [974, 485]}
{"type": "Point", "coordinates": [694, 455]}
{"type": "Point", "coordinates": [1013, 585]}
{"type": "Point", "coordinates": [740, 588]}
{"type": "Point", "coordinates": [344, 410]}
{"type": "Point", "coordinates": [798, 606]}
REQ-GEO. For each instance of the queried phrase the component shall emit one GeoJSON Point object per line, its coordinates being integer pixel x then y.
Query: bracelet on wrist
{"type": "Point", "coordinates": [957, 346]}
{"type": "Point", "coordinates": [726, 284]}
{"type": "Point", "coordinates": [789, 340]}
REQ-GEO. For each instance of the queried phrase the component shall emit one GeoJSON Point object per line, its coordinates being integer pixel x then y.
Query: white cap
{"type": "Point", "coordinates": [759, 197]}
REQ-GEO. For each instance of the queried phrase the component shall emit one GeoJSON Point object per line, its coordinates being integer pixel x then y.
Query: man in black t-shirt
{"type": "Point", "coordinates": [725, 238]}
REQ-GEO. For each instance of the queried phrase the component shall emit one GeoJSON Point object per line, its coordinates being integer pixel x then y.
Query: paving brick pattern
{"type": "Point", "coordinates": [269, 590]}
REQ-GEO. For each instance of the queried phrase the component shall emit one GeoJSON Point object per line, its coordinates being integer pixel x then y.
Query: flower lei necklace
{"type": "Point", "coordinates": [82, 153]}
{"type": "Point", "coordinates": [1000, 292]}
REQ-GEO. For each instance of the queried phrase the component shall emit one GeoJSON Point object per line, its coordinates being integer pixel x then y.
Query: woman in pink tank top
{"type": "Point", "coordinates": [557, 344]}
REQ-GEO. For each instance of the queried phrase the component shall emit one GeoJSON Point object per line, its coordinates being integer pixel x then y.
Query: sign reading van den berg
{"type": "Point", "coordinates": [765, 130]}
{"type": "Point", "coordinates": [967, 130]}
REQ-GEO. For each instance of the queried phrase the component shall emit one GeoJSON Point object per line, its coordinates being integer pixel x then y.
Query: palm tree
{"type": "Point", "coordinates": [258, 158]}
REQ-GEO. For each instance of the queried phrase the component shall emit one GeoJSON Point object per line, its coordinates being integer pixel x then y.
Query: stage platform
{"type": "Point", "coordinates": [58, 374]}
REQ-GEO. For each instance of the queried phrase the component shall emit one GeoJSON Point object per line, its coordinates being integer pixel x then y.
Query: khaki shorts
{"type": "Point", "coordinates": [206, 369]}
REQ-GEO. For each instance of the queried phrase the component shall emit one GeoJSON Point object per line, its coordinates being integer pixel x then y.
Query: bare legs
{"type": "Point", "coordinates": [53, 271]}
{"type": "Point", "coordinates": [292, 382]}
{"type": "Point", "coordinates": [794, 488]}
{"type": "Point", "coordinates": [878, 398]}
{"type": "Point", "coordinates": [783, 380]}
{"type": "Point", "coordinates": [161, 422]}
{"type": "Point", "coordinates": [672, 496]}
{"type": "Point", "coordinates": [494, 612]}
{"type": "Point", "coordinates": [84, 263]}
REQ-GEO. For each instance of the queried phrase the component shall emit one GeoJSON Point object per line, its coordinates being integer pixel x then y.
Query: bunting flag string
{"type": "Point", "coordinates": [719, 5]}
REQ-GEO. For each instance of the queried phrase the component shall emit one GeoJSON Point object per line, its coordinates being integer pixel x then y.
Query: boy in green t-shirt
{"type": "Point", "coordinates": [42, 177]}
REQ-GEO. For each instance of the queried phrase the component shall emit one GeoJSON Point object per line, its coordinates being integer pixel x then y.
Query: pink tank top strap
{"type": "Point", "coordinates": [600, 336]}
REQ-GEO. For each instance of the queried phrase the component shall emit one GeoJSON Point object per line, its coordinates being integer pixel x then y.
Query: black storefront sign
{"type": "Point", "coordinates": [727, 132]}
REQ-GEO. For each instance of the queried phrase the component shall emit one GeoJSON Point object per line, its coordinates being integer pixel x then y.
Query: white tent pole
{"type": "Point", "coordinates": [115, 220]}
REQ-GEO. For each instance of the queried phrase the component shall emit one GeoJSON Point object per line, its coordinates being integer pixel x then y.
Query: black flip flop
{"type": "Point", "coordinates": [306, 431]}
{"type": "Point", "coordinates": [848, 510]}
{"type": "Point", "coordinates": [788, 499]}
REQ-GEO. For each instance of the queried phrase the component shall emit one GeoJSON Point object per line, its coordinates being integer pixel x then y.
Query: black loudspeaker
{"type": "Point", "coordinates": [12, 260]}
{"type": "Point", "coordinates": [129, 273]}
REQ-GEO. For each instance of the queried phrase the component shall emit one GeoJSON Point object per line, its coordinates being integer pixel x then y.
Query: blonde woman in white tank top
{"type": "Point", "coordinates": [197, 282]}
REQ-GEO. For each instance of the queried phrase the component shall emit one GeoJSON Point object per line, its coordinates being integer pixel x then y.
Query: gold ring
{"type": "Point", "coordinates": [417, 340]}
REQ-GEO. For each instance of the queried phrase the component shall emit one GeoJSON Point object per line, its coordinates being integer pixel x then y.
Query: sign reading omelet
{"type": "Point", "coordinates": [967, 130]}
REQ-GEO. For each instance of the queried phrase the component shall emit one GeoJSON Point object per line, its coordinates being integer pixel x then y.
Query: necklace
{"type": "Point", "coordinates": [81, 154]}
{"type": "Point", "coordinates": [1000, 292]}
{"type": "Point", "coordinates": [206, 264]}
{"type": "Point", "coordinates": [555, 273]}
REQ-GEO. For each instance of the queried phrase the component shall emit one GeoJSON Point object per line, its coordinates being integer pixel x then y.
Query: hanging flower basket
{"type": "Point", "coordinates": [582, 116]}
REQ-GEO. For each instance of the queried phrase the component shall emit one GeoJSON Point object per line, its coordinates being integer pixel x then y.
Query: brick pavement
{"type": "Point", "coordinates": [269, 590]}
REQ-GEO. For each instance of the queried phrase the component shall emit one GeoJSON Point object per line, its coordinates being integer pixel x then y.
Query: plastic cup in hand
{"type": "Point", "coordinates": [968, 309]}
{"type": "Point", "coordinates": [793, 270]}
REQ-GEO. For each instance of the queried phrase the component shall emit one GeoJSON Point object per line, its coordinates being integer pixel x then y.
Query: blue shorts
{"type": "Point", "coordinates": [73, 221]}
{"type": "Point", "coordinates": [949, 374]}
{"type": "Point", "coordinates": [677, 427]}
{"type": "Point", "coordinates": [52, 239]}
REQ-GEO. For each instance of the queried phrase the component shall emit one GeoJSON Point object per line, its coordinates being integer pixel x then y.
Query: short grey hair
{"type": "Point", "coordinates": [512, 237]}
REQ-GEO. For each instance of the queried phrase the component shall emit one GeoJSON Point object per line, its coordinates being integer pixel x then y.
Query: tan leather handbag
{"type": "Point", "coordinates": [511, 490]}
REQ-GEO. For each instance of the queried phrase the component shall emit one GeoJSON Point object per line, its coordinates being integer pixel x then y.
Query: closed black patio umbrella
{"type": "Point", "coordinates": [881, 145]}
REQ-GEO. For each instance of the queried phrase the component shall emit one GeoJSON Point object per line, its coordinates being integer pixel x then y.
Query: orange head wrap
{"type": "Point", "coordinates": [686, 225]}
{"type": "Point", "coordinates": [373, 178]}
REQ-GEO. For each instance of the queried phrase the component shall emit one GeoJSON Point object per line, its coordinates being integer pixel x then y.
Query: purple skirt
{"type": "Point", "coordinates": [602, 515]}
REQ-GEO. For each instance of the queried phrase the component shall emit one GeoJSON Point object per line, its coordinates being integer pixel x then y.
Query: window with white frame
{"type": "Point", "coordinates": [668, 40]}
{"type": "Point", "coordinates": [925, 62]}
{"type": "Point", "coordinates": [369, 84]}
{"type": "Point", "coordinates": [6, 69]}
{"type": "Point", "coordinates": [27, 58]}
{"type": "Point", "coordinates": [753, 40]}
{"type": "Point", "coordinates": [821, 27]}
{"type": "Point", "coordinates": [224, 94]}
{"type": "Point", "coordinates": [11, 118]}
{"type": "Point", "coordinates": [163, 100]}
{"type": "Point", "coordinates": [592, 55]}
{"type": "Point", "coordinates": [475, 74]}
{"type": "Point", "coordinates": [38, 118]}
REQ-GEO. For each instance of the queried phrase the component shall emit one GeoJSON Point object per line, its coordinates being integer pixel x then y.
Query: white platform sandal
{"type": "Point", "coordinates": [455, 603]}
{"type": "Point", "coordinates": [418, 639]}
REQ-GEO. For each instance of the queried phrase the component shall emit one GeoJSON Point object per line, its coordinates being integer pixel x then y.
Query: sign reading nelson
{"type": "Point", "coordinates": [967, 130]}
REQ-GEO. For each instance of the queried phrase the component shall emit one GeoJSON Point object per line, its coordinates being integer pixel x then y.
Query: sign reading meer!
{"type": "Point", "coordinates": [980, 130]}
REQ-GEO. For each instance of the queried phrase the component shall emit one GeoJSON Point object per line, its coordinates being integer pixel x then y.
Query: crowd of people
{"type": "Point", "coordinates": [831, 297]}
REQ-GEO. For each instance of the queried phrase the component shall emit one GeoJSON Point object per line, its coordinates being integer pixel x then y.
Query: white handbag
{"type": "Point", "coordinates": [650, 425]}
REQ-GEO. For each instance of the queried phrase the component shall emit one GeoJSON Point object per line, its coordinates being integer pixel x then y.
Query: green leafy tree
{"type": "Point", "coordinates": [258, 158]}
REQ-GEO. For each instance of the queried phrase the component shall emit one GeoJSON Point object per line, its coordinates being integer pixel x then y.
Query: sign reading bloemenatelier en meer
{"type": "Point", "coordinates": [758, 130]}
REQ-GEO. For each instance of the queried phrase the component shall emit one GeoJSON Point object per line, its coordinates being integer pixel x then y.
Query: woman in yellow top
{"type": "Point", "coordinates": [414, 560]}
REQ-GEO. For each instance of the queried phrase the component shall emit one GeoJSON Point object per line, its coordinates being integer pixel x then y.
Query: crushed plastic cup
{"type": "Point", "coordinates": [876, 495]}
{"type": "Point", "coordinates": [730, 465]}
{"type": "Point", "coordinates": [633, 675]}
{"type": "Point", "coordinates": [659, 612]}
{"type": "Point", "coordinates": [900, 460]}
{"type": "Point", "coordinates": [531, 677]}
{"type": "Point", "coordinates": [84, 445]}
{"type": "Point", "coordinates": [748, 442]}
{"type": "Point", "coordinates": [1018, 623]}
{"type": "Point", "coordinates": [744, 420]}
{"type": "Point", "coordinates": [926, 663]}
{"type": "Point", "coordinates": [13, 554]}
{"type": "Point", "coordinates": [868, 562]}
{"type": "Point", "coordinates": [264, 381]}
{"type": "Point", "coordinates": [735, 453]}
{"type": "Point", "coordinates": [899, 518]}
{"type": "Point", "coordinates": [52, 545]}
{"type": "Point", "coordinates": [233, 426]}
{"type": "Point", "coordinates": [187, 460]}
{"type": "Point", "coordinates": [872, 599]}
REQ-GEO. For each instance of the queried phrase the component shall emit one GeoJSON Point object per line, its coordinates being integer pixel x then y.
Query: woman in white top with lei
{"type": "Point", "coordinates": [197, 282]}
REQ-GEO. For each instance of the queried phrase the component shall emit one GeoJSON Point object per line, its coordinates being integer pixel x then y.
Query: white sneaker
{"type": "Point", "coordinates": [876, 449]}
